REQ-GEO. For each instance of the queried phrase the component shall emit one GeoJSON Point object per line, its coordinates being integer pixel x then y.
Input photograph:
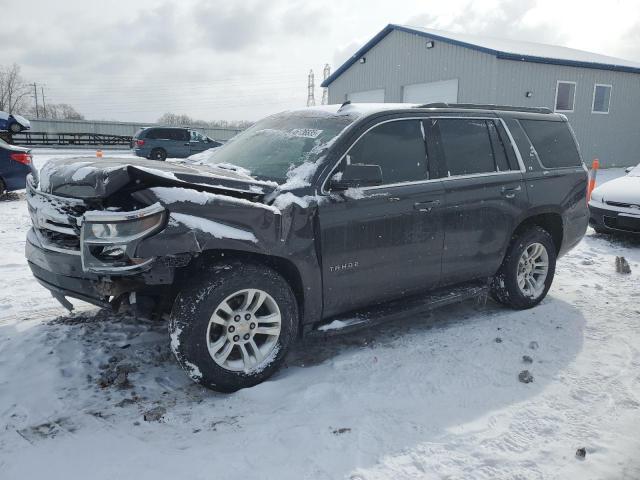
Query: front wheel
{"type": "Point", "coordinates": [15, 128]}
{"type": "Point", "coordinates": [233, 328]}
{"type": "Point", "coordinates": [526, 274]}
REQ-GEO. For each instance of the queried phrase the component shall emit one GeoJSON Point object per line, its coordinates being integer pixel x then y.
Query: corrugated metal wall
{"type": "Point", "coordinates": [114, 128]}
{"type": "Point", "coordinates": [403, 59]}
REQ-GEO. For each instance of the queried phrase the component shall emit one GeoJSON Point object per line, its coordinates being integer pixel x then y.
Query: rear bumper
{"type": "Point", "coordinates": [614, 220]}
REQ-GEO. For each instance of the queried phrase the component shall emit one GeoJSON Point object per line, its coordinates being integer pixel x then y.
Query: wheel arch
{"type": "Point", "coordinates": [285, 267]}
{"type": "Point", "coordinates": [551, 222]}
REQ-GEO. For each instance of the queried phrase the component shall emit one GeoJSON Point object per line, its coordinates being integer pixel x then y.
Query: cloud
{"type": "Point", "coordinates": [232, 26]}
{"type": "Point", "coordinates": [507, 19]}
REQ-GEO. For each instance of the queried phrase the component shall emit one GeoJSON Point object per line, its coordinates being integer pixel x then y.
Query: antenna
{"type": "Point", "coordinates": [311, 100]}
{"type": "Point", "coordinates": [325, 91]}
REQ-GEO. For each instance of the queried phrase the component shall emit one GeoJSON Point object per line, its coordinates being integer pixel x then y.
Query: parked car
{"type": "Point", "coordinates": [158, 143]}
{"type": "Point", "coordinates": [15, 165]}
{"type": "Point", "coordinates": [313, 220]}
{"type": "Point", "coordinates": [615, 205]}
{"type": "Point", "coordinates": [13, 123]}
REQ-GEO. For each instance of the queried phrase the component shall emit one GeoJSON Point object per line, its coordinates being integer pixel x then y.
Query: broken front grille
{"type": "Point", "coordinates": [56, 220]}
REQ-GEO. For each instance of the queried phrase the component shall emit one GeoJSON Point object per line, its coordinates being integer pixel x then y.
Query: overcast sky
{"type": "Point", "coordinates": [241, 60]}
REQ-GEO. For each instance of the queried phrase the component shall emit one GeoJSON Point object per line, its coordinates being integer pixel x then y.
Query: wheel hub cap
{"type": "Point", "coordinates": [243, 331]}
{"type": "Point", "coordinates": [533, 268]}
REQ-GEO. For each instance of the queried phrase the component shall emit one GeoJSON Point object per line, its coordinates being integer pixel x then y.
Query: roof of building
{"type": "Point", "coordinates": [501, 48]}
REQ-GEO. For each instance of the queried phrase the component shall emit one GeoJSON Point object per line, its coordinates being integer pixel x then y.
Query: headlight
{"type": "Point", "coordinates": [114, 227]}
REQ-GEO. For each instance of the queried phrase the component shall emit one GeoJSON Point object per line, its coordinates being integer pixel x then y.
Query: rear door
{"type": "Point", "coordinates": [484, 195]}
{"type": "Point", "coordinates": [386, 241]}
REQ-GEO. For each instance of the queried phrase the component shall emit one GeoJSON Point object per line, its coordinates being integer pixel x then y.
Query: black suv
{"type": "Point", "coordinates": [314, 220]}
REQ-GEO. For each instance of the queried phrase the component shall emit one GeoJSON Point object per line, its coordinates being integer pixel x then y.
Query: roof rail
{"type": "Point", "coordinates": [479, 106]}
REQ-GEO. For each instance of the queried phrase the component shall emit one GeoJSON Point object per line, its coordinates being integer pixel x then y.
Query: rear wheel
{"type": "Point", "coordinates": [526, 274]}
{"type": "Point", "coordinates": [233, 328]}
{"type": "Point", "coordinates": [158, 154]}
{"type": "Point", "coordinates": [3, 188]}
{"type": "Point", "coordinates": [15, 128]}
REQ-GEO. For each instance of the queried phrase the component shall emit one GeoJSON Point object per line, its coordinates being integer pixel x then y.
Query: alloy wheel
{"type": "Point", "coordinates": [243, 331]}
{"type": "Point", "coordinates": [533, 268]}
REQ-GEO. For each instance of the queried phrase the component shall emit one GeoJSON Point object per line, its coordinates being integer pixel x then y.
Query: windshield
{"type": "Point", "coordinates": [273, 146]}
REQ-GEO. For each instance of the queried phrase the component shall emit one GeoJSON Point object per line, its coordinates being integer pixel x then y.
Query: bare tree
{"type": "Point", "coordinates": [13, 89]}
{"type": "Point", "coordinates": [174, 119]}
{"type": "Point", "coordinates": [54, 111]}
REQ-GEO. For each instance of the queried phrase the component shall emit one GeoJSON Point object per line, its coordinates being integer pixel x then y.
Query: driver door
{"type": "Point", "coordinates": [198, 143]}
{"type": "Point", "coordinates": [383, 242]}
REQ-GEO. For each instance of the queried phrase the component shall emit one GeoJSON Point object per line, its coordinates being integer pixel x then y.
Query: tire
{"type": "Point", "coordinates": [159, 154]}
{"type": "Point", "coordinates": [194, 333]}
{"type": "Point", "coordinates": [3, 188]}
{"type": "Point", "coordinates": [506, 287]}
{"type": "Point", "coordinates": [15, 128]}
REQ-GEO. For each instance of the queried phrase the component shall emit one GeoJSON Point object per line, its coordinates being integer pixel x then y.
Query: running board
{"type": "Point", "coordinates": [400, 309]}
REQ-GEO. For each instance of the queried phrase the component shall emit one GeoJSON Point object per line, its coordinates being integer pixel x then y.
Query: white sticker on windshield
{"type": "Point", "coordinates": [306, 132]}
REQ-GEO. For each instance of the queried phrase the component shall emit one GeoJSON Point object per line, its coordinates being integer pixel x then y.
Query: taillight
{"type": "Point", "coordinates": [139, 143]}
{"type": "Point", "coordinates": [23, 158]}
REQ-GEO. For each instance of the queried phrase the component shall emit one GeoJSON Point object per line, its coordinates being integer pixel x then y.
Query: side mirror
{"type": "Point", "coordinates": [628, 169]}
{"type": "Point", "coordinates": [356, 175]}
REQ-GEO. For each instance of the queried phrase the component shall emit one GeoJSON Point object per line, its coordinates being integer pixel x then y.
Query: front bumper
{"type": "Point", "coordinates": [605, 217]}
{"type": "Point", "coordinates": [62, 273]}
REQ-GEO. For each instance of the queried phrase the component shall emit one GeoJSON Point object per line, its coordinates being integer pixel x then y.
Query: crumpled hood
{"type": "Point", "coordinates": [623, 190]}
{"type": "Point", "coordinates": [91, 178]}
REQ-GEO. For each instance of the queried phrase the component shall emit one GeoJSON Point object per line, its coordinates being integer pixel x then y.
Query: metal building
{"type": "Point", "coordinates": [600, 95]}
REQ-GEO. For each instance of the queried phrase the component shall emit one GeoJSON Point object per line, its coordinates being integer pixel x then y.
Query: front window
{"type": "Point", "coordinates": [277, 144]}
{"type": "Point", "coordinates": [397, 147]}
{"type": "Point", "coordinates": [565, 96]}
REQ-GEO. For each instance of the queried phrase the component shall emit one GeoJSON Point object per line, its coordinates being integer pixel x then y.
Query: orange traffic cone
{"type": "Point", "coordinates": [592, 177]}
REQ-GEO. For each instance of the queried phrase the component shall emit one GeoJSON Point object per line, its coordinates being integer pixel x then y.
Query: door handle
{"type": "Point", "coordinates": [426, 206]}
{"type": "Point", "coordinates": [510, 192]}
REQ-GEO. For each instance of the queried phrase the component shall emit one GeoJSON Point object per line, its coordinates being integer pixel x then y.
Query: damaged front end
{"type": "Point", "coordinates": [109, 246]}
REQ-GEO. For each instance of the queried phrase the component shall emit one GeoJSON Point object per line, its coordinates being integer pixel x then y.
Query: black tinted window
{"type": "Point", "coordinates": [466, 146]}
{"type": "Point", "coordinates": [553, 143]}
{"type": "Point", "coordinates": [397, 147]}
{"type": "Point", "coordinates": [159, 133]}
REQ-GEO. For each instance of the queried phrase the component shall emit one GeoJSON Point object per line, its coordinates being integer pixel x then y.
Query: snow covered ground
{"type": "Point", "coordinates": [427, 398]}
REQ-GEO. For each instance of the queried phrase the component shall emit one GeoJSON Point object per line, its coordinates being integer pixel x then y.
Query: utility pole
{"type": "Point", "coordinates": [44, 105]}
{"type": "Point", "coordinates": [35, 94]}
{"type": "Point", "coordinates": [325, 91]}
{"type": "Point", "coordinates": [311, 100]}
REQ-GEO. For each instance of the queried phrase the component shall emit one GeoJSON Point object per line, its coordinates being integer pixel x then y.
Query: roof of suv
{"type": "Point", "coordinates": [364, 109]}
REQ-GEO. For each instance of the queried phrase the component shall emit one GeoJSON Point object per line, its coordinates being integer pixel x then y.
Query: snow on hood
{"type": "Point", "coordinates": [99, 178]}
{"type": "Point", "coordinates": [624, 190]}
{"type": "Point", "coordinates": [218, 230]}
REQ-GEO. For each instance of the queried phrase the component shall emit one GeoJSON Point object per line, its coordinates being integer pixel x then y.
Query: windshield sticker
{"type": "Point", "coordinates": [306, 132]}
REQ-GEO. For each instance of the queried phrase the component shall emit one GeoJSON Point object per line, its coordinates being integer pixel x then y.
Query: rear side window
{"type": "Point", "coordinates": [466, 146]}
{"type": "Point", "coordinates": [553, 143]}
{"type": "Point", "coordinates": [159, 133]}
{"type": "Point", "coordinates": [397, 147]}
